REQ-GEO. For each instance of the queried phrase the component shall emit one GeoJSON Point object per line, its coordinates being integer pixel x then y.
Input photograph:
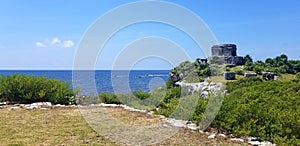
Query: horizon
{"type": "Point", "coordinates": [41, 35]}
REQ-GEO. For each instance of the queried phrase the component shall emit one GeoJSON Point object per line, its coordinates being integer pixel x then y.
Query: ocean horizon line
{"type": "Point", "coordinates": [82, 70]}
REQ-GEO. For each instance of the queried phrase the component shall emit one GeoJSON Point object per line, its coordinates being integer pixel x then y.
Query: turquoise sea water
{"type": "Point", "coordinates": [134, 80]}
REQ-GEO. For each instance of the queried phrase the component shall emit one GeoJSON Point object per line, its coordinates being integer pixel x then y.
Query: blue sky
{"type": "Point", "coordinates": [44, 34]}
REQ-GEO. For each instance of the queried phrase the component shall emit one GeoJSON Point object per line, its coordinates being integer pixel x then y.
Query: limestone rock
{"type": "Point", "coordinates": [3, 103]}
{"type": "Point", "coordinates": [204, 87]}
{"type": "Point", "coordinates": [237, 139]}
{"type": "Point", "coordinates": [176, 123]}
{"type": "Point", "coordinates": [14, 108]}
{"type": "Point", "coordinates": [192, 126]}
{"type": "Point", "coordinates": [221, 135]}
{"type": "Point", "coordinates": [212, 136]}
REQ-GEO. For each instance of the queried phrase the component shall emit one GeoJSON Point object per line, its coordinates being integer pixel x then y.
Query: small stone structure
{"type": "Point", "coordinates": [202, 60]}
{"type": "Point", "coordinates": [229, 75]}
{"type": "Point", "coordinates": [226, 53]}
{"type": "Point", "coordinates": [225, 50]}
{"type": "Point", "coordinates": [176, 77]}
{"type": "Point", "coordinates": [250, 75]}
{"type": "Point", "coordinates": [268, 76]}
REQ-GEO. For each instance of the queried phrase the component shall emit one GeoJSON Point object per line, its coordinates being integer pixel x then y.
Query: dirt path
{"type": "Point", "coordinates": [154, 129]}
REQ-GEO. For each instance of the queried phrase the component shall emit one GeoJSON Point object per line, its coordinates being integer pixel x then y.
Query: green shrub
{"type": "Point", "coordinates": [170, 101]}
{"type": "Point", "coordinates": [269, 110]}
{"type": "Point", "coordinates": [27, 89]}
{"type": "Point", "coordinates": [169, 83]}
{"type": "Point", "coordinates": [109, 98]}
{"type": "Point", "coordinates": [297, 76]}
{"type": "Point", "coordinates": [141, 95]}
{"type": "Point", "coordinates": [87, 100]}
{"type": "Point", "coordinates": [239, 72]}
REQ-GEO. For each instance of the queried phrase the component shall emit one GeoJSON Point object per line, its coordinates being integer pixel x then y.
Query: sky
{"type": "Point", "coordinates": [46, 34]}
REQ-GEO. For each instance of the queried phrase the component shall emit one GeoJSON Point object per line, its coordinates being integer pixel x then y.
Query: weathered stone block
{"type": "Point", "coordinates": [224, 50]}
{"type": "Point", "coordinates": [268, 76]}
{"type": "Point", "coordinates": [229, 75]}
{"type": "Point", "coordinates": [250, 75]}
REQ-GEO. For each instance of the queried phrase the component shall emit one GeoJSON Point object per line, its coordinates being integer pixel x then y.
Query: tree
{"type": "Point", "coordinates": [270, 62]}
{"type": "Point", "coordinates": [283, 58]}
{"type": "Point", "coordinates": [248, 58]}
{"type": "Point", "coordinates": [249, 66]}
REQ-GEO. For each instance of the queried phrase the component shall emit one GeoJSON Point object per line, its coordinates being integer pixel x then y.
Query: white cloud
{"type": "Point", "coordinates": [68, 44]}
{"type": "Point", "coordinates": [40, 45]}
{"type": "Point", "coordinates": [55, 42]}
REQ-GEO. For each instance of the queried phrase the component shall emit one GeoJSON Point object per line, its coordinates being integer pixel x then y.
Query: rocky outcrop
{"type": "Point", "coordinates": [204, 87]}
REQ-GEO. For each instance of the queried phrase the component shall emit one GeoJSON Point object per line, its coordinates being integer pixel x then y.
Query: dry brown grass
{"type": "Point", "coordinates": [58, 126]}
{"type": "Point", "coordinates": [133, 118]}
{"type": "Point", "coordinates": [66, 126]}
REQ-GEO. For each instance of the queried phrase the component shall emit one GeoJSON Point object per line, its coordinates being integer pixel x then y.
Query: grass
{"type": "Point", "coordinates": [287, 77]}
{"type": "Point", "coordinates": [220, 79]}
{"type": "Point", "coordinates": [59, 126]}
{"type": "Point", "coordinates": [66, 126]}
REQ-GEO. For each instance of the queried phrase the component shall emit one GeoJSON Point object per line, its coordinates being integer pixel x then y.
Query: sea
{"type": "Point", "coordinates": [98, 81]}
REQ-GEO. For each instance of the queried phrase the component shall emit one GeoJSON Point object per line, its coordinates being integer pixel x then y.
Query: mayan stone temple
{"type": "Point", "coordinates": [227, 53]}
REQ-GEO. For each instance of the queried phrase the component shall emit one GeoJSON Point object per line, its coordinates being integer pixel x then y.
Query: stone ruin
{"type": "Point", "coordinates": [268, 76]}
{"type": "Point", "coordinates": [229, 75]}
{"type": "Point", "coordinates": [176, 77]}
{"type": "Point", "coordinates": [250, 75]}
{"type": "Point", "coordinates": [226, 53]}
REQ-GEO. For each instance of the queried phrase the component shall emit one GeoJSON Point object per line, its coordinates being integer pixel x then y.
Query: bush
{"type": "Point", "coordinates": [109, 98]}
{"type": "Point", "coordinates": [268, 110]}
{"type": "Point", "coordinates": [170, 101]}
{"type": "Point", "coordinates": [141, 95]}
{"type": "Point", "coordinates": [239, 72]}
{"type": "Point", "coordinates": [27, 89]}
{"type": "Point", "coordinates": [297, 76]}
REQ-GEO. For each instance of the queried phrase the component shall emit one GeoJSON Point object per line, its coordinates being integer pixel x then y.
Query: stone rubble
{"type": "Point", "coordinates": [222, 135]}
{"type": "Point", "coordinates": [212, 136]}
{"type": "Point", "coordinates": [237, 139]}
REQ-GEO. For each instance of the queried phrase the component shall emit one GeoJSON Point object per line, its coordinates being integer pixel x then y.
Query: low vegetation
{"type": "Point", "coordinates": [27, 89]}
{"type": "Point", "coordinates": [266, 109]}
{"type": "Point", "coordinates": [269, 110]}
{"type": "Point", "coordinates": [66, 126]}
